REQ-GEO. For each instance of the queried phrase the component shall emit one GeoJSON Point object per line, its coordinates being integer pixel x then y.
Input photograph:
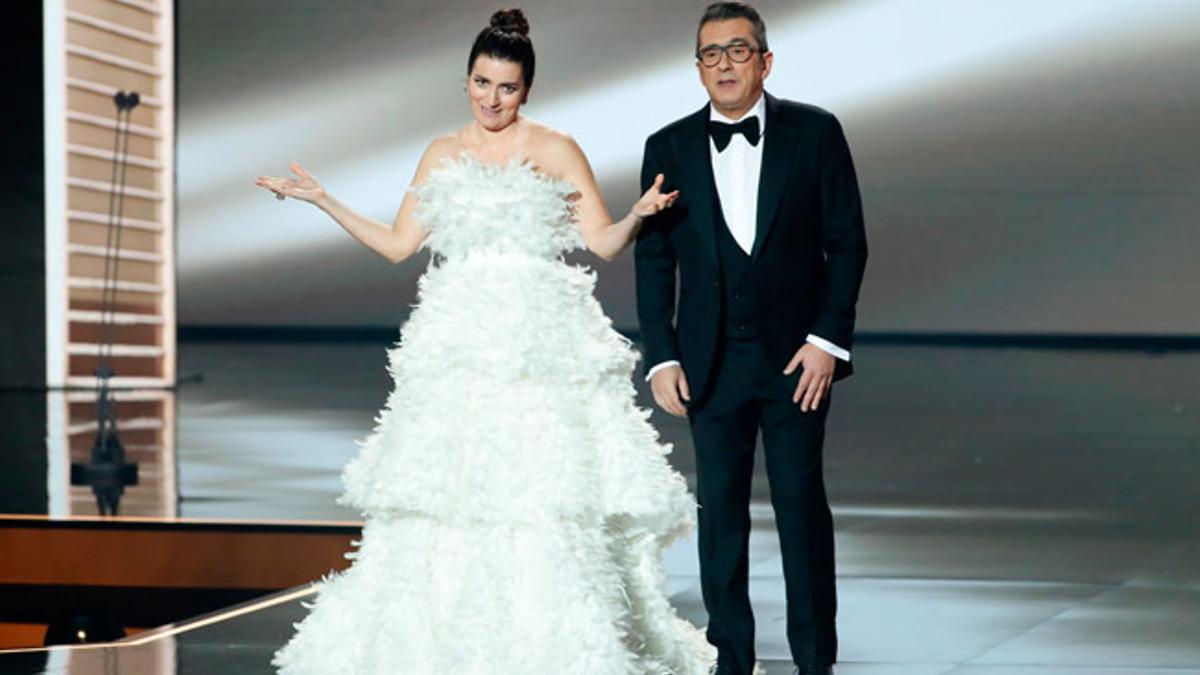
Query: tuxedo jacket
{"type": "Point", "coordinates": [809, 250]}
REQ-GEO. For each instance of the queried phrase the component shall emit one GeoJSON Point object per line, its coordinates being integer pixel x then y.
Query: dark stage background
{"type": "Point", "coordinates": [1027, 167]}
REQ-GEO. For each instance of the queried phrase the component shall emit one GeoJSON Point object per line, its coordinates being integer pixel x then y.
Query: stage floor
{"type": "Point", "coordinates": [997, 510]}
{"type": "Point", "coordinates": [889, 626]}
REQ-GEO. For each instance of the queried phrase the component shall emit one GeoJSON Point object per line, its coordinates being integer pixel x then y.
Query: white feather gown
{"type": "Point", "coordinates": [516, 500]}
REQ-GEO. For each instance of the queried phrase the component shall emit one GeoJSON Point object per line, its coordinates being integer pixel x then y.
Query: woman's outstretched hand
{"type": "Point", "coordinates": [305, 187]}
{"type": "Point", "coordinates": [654, 200]}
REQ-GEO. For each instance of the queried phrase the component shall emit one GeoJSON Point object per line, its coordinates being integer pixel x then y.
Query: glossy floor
{"type": "Point", "coordinates": [997, 511]}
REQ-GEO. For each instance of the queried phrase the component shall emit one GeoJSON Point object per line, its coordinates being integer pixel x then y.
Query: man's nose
{"type": "Point", "coordinates": [726, 62]}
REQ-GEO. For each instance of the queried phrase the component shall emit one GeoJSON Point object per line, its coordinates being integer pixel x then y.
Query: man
{"type": "Point", "coordinates": [768, 241]}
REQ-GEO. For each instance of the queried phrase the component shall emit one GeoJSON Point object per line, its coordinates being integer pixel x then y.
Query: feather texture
{"type": "Point", "coordinates": [516, 499]}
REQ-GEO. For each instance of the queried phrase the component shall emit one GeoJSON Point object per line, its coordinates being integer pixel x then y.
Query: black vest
{"type": "Point", "coordinates": [738, 282]}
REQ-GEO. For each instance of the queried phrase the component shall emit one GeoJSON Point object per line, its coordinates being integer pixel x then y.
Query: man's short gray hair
{"type": "Point", "coordinates": [724, 11]}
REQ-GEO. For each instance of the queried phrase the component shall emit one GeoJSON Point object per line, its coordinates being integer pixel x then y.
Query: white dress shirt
{"type": "Point", "coordinates": [736, 170]}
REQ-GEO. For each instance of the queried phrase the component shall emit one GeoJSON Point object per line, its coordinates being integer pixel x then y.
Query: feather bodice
{"type": "Point", "coordinates": [468, 206]}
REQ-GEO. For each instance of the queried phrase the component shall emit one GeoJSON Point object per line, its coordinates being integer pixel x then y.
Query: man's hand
{"type": "Point", "coordinates": [670, 390]}
{"type": "Point", "coordinates": [817, 376]}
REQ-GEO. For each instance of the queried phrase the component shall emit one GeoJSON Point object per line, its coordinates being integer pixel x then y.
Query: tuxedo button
{"type": "Point", "coordinates": [736, 296]}
{"type": "Point", "coordinates": [717, 283]}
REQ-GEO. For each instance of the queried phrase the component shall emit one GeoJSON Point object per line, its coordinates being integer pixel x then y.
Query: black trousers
{"type": "Point", "coordinates": [750, 394]}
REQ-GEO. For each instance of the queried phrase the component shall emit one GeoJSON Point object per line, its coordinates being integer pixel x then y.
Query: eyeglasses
{"type": "Point", "coordinates": [739, 52]}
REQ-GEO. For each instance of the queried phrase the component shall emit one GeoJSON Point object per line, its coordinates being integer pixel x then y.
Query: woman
{"type": "Point", "coordinates": [516, 500]}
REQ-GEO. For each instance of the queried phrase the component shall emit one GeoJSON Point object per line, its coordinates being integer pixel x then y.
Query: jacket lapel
{"type": "Point", "coordinates": [779, 139]}
{"type": "Point", "coordinates": [696, 183]}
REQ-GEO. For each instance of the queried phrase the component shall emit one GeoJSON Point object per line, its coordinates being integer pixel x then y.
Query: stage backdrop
{"type": "Point", "coordinates": [1026, 166]}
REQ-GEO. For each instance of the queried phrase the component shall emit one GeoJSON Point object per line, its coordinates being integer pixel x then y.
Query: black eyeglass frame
{"type": "Point", "coordinates": [724, 51]}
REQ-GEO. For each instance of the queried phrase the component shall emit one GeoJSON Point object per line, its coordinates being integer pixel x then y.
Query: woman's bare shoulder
{"type": "Point", "coordinates": [554, 150]}
{"type": "Point", "coordinates": [545, 136]}
{"type": "Point", "coordinates": [441, 148]}
{"type": "Point", "coordinates": [446, 145]}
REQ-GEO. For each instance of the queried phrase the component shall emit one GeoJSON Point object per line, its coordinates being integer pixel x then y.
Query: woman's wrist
{"type": "Point", "coordinates": [323, 202]}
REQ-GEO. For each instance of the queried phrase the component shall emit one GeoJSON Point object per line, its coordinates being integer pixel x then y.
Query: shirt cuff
{"type": "Point", "coordinates": [827, 346]}
{"type": "Point", "coordinates": [665, 364]}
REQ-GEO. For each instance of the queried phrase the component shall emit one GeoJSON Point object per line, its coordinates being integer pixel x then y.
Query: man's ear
{"type": "Point", "coordinates": [768, 59]}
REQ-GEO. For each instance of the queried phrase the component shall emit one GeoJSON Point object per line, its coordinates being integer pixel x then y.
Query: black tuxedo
{"type": "Point", "coordinates": [741, 317]}
{"type": "Point", "coordinates": [809, 250]}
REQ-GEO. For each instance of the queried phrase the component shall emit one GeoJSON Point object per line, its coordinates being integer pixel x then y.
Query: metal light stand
{"type": "Point", "coordinates": [107, 471]}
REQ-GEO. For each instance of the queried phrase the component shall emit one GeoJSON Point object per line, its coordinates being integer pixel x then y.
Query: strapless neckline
{"type": "Point", "coordinates": [466, 159]}
{"type": "Point", "coordinates": [470, 206]}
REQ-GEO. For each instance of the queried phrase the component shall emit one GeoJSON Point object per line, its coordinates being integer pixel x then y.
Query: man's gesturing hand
{"type": "Point", "coordinates": [817, 376]}
{"type": "Point", "coordinates": [670, 386]}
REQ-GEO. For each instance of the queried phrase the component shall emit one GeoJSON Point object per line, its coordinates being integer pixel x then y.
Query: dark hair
{"type": "Point", "coordinates": [724, 11]}
{"type": "Point", "coordinates": [506, 38]}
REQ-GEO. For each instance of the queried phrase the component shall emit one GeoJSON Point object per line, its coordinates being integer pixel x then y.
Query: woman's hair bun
{"type": "Point", "coordinates": [510, 21]}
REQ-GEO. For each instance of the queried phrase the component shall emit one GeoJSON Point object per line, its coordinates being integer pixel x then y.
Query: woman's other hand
{"type": "Point", "coordinates": [654, 200]}
{"type": "Point", "coordinates": [305, 187]}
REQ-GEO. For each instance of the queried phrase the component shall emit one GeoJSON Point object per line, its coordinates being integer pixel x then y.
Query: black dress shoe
{"type": "Point", "coordinates": [813, 670]}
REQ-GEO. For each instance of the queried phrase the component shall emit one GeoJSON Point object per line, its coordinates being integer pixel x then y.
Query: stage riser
{"type": "Point", "coordinates": [170, 556]}
{"type": "Point", "coordinates": [151, 573]}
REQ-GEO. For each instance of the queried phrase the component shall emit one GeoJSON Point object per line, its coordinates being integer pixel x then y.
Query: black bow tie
{"type": "Point", "coordinates": [721, 132]}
